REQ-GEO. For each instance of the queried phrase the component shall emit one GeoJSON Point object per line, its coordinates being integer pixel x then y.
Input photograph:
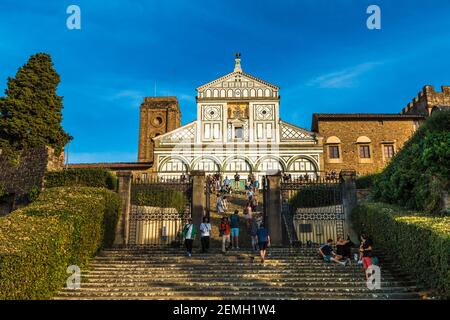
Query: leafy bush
{"type": "Point", "coordinates": [33, 194]}
{"type": "Point", "coordinates": [311, 196]}
{"type": "Point", "coordinates": [366, 182]}
{"type": "Point", "coordinates": [64, 226]}
{"type": "Point", "coordinates": [88, 177]}
{"type": "Point", "coordinates": [419, 243]}
{"type": "Point", "coordinates": [418, 176]}
{"type": "Point", "coordinates": [3, 191]}
{"type": "Point", "coordinates": [162, 198]}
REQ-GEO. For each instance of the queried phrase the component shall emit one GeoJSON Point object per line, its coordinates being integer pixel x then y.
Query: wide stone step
{"type": "Point", "coordinates": [99, 277]}
{"type": "Point", "coordinates": [247, 288]}
{"type": "Point", "coordinates": [166, 273]}
{"type": "Point", "coordinates": [318, 281]}
{"type": "Point", "coordinates": [107, 283]}
{"type": "Point", "coordinates": [239, 295]}
{"type": "Point", "coordinates": [339, 270]}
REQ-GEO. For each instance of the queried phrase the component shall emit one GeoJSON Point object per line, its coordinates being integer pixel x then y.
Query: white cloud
{"type": "Point", "coordinates": [134, 96]}
{"type": "Point", "coordinates": [346, 78]}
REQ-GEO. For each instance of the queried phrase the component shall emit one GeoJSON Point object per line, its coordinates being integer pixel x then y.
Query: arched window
{"type": "Point", "coordinates": [364, 149]}
{"type": "Point", "coordinates": [363, 139]}
{"type": "Point", "coordinates": [333, 145]}
{"type": "Point", "coordinates": [238, 165]}
{"type": "Point", "coordinates": [207, 165]}
{"type": "Point", "coordinates": [173, 165]}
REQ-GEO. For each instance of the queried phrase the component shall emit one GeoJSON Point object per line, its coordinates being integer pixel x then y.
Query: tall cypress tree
{"type": "Point", "coordinates": [31, 111]}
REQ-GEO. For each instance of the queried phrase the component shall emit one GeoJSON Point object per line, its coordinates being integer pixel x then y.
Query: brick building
{"type": "Point", "coordinates": [367, 142]}
{"type": "Point", "coordinates": [362, 142]}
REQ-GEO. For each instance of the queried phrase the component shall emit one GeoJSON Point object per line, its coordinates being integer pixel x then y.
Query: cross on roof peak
{"type": "Point", "coordinates": [237, 63]}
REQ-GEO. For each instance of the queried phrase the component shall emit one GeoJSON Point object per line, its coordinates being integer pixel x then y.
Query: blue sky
{"type": "Point", "coordinates": [319, 52]}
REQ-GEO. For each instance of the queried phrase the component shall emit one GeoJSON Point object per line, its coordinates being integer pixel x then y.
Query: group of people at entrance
{"type": "Point", "coordinates": [216, 183]}
{"type": "Point", "coordinates": [229, 233]}
{"type": "Point", "coordinates": [343, 253]}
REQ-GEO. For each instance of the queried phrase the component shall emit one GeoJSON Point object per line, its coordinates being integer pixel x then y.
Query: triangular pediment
{"type": "Point", "coordinates": [237, 85]}
{"type": "Point", "coordinates": [230, 81]}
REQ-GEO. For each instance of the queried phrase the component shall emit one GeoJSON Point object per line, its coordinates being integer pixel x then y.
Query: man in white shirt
{"type": "Point", "coordinates": [205, 233]}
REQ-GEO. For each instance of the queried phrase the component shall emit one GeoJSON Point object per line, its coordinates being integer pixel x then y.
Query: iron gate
{"type": "Point", "coordinates": [312, 210]}
{"type": "Point", "coordinates": [160, 207]}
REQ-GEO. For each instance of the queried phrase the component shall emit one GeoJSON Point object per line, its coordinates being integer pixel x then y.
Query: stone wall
{"type": "Point", "coordinates": [427, 100]}
{"type": "Point", "coordinates": [19, 179]}
{"type": "Point", "coordinates": [379, 131]}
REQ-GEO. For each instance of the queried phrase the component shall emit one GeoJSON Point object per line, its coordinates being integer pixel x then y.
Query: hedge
{"type": "Point", "coordinates": [88, 177]}
{"type": "Point", "coordinates": [316, 196]}
{"type": "Point", "coordinates": [64, 226]}
{"type": "Point", "coordinates": [418, 176]}
{"type": "Point", "coordinates": [366, 182]}
{"type": "Point", "coordinates": [419, 243]}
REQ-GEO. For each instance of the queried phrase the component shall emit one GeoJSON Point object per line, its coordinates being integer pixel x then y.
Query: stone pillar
{"type": "Point", "coordinates": [198, 200]}
{"type": "Point", "coordinates": [124, 190]}
{"type": "Point", "coordinates": [274, 220]}
{"type": "Point", "coordinates": [349, 200]}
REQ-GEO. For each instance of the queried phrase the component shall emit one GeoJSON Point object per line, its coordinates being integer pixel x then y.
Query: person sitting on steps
{"type": "Point", "coordinates": [344, 247]}
{"type": "Point", "coordinates": [328, 255]}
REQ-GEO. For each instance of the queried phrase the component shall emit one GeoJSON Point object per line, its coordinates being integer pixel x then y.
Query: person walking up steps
{"type": "Point", "coordinates": [263, 241]}
{"type": "Point", "coordinates": [237, 179]}
{"type": "Point", "coordinates": [253, 234]}
{"type": "Point", "coordinates": [205, 232]}
{"type": "Point", "coordinates": [189, 233]}
{"type": "Point", "coordinates": [234, 222]}
{"type": "Point", "coordinates": [224, 231]}
{"type": "Point", "coordinates": [219, 205]}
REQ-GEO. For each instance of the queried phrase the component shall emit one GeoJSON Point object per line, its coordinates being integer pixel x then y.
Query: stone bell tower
{"type": "Point", "coordinates": [158, 115]}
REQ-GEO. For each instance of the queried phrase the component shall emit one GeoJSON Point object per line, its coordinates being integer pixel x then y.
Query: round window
{"type": "Point", "coordinates": [157, 121]}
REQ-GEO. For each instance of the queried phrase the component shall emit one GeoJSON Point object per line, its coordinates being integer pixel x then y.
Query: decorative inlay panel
{"type": "Point", "coordinates": [264, 112]}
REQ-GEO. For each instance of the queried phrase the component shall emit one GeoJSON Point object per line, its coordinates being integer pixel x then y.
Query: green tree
{"type": "Point", "coordinates": [31, 111]}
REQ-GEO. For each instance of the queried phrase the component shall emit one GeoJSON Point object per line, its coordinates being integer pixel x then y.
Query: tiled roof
{"type": "Point", "coordinates": [360, 116]}
{"type": "Point", "coordinates": [113, 165]}
{"type": "Point", "coordinates": [365, 116]}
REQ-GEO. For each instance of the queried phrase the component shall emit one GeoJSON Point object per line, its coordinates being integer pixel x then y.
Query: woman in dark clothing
{"type": "Point", "coordinates": [344, 247]}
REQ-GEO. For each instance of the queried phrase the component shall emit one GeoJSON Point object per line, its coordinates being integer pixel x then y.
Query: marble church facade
{"type": "Point", "coordinates": [238, 129]}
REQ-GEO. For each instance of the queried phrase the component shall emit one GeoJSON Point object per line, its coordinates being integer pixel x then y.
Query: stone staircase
{"type": "Point", "coordinates": [287, 274]}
